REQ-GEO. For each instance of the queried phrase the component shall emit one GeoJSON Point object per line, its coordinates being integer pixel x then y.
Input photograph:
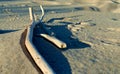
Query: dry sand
{"type": "Point", "coordinates": [93, 45]}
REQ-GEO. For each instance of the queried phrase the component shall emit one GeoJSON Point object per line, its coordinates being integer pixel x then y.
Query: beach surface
{"type": "Point", "coordinates": [91, 30]}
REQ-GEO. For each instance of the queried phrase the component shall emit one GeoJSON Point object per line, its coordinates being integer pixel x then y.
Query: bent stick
{"type": "Point", "coordinates": [39, 60]}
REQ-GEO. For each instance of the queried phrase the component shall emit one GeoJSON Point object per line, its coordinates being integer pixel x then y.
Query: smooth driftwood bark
{"type": "Point", "coordinates": [31, 15]}
{"type": "Point", "coordinates": [54, 40]}
{"type": "Point", "coordinates": [39, 60]}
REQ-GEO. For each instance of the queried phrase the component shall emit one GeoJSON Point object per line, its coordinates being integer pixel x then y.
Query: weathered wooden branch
{"type": "Point", "coordinates": [31, 15]}
{"type": "Point", "coordinates": [39, 60]}
{"type": "Point", "coordinates": [54, 40]}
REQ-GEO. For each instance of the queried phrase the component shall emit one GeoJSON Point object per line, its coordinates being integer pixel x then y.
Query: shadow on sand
{"type": "Point", "coordinates": [52, 54]}
{"type": "Point", "coordinates": [7, 31]}
{"type": "Point", "coordinates": [62, 33]}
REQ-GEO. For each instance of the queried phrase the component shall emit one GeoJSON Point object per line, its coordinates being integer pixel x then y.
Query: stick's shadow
{"type": "Point", "coordinates": [62, 33]}
{"type": "Point", "coordinates": [53, 19]}
{"type": "Point", "coordinates": [52, 55]}
{"type": "Point", "coordinates": [7, 31]}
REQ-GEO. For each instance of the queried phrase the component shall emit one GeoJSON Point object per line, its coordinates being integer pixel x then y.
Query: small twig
{"type": "Point", "coordinates": [35, 16]}
{"type": "Point", "coordinates": [41, 18]}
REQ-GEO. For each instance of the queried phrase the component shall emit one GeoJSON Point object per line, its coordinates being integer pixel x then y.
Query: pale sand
{"type": "Point", "coordinates": [99, 53]}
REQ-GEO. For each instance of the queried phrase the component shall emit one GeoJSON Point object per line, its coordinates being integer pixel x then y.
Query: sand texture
{"type": "Point", "coordinates": [91, 30]}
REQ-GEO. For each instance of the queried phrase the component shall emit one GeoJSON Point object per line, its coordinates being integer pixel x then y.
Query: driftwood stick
{"type": "Point", "coordinates": [54, 40]}
{"type": "Point", "coordinates": [32, 18]}
{"type": "Point", "coordinates": [39, 60]}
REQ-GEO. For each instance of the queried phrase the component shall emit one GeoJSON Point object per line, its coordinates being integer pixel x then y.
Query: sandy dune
{"type": "Point", "coordinates": [90, 29]}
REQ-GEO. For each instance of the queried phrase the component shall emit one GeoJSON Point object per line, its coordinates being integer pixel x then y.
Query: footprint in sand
{"type": "Point", "coordinates": [114, 19]}
{"type": "Point", "coordinates": [94, 8]}
{"type": "Point", "coordinates": [111, 42]}
{"type": "Point", "coordinates": [80, 25]}
{"type": "Point", "coordinates": [7, 10]}
{"type": "Point", "coordinates": [116, 1]}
